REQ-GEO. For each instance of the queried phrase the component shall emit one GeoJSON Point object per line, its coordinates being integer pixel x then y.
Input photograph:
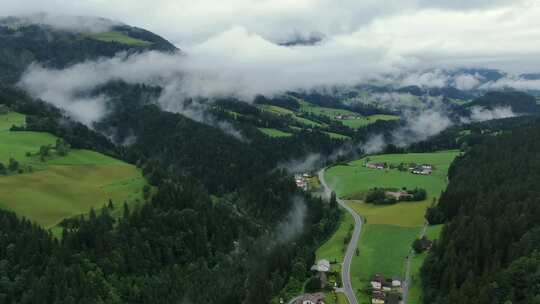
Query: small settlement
{"type": "Point", "coordinates": [385, 290]}
{"type": "Point", "coordinates": [423, 169]}
{"type": "Point", "coordinates": [347, 117]}
{"type": "Point", "coordinates": [301, 180]}
{"type": "Point", "coordinates": [311, 298]}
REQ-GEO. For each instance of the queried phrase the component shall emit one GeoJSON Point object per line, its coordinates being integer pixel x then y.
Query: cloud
{"type": "Point", "coordinates": [293, 224]}
{"type": "Point", "coordinates": [467, 82]}
{"type": "Point", "coordinates": [479, 114]}
{"type": "Point", "coordinates": [514, 82]}
{"type": "Point", "coordinates": [82, 24]}
{"type": "Point", "coordinates": [430, 79]}
{"type": "Point", "coordinates": [374, 144]}
{"type": "Point", "coordinates": [190, 22]}
{"type": "Point", "coordinates": [421, 126]}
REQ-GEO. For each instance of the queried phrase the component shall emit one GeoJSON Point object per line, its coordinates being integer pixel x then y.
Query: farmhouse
{"type": "Point", "coordinates": [378, 297]}
{"type": "Point", "coordinates": [426, 243]}
{"type": "Point", "coordinates": [301, 181]}
{"type": "Point", "coordinates": [377, 281]}
{"type": "Point", "coordinates": [314, 298]}
{"type": "Point", "coordinates": [421, 170]}
{"type": "Point", "coordinates": [322, 268]}
{"type": "Point", "coordinates": [375, 165]}
{"type": "Point", "coordinates": [396, 281]}
{"type": "Point", "coordinates": [398, 195]}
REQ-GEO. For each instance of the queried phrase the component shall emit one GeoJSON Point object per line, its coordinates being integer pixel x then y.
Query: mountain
{"type": "Point", "coordinates": [24, 43]}
{"type": "Point", "coordinates": [488, 251]}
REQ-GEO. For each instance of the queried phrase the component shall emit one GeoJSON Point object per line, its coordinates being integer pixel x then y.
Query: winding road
{"type": "Point", "coordinates": [351, 248]}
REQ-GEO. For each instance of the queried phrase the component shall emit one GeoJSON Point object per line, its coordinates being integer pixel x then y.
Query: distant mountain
{"type": "Point", "coordinates": [24, 43]}
{"type": "Point", "coordinates": [519, 102]}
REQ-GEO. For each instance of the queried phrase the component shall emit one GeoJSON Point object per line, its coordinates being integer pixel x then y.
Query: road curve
{"type": "Point", "coordinates": [353, 244]}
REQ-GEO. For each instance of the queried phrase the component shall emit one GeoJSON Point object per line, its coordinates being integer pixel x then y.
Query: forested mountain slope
{"type": "Point", "coordinates": [489, 248]}
{"type": "Point", "coordinates": [24, 43]}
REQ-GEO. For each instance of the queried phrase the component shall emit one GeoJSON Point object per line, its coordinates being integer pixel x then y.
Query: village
{"type": "Point", "coordinates": [421, 169]}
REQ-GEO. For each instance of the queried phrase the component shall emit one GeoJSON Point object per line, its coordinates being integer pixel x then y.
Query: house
{"type": "Point", "coordinates": [321, 266]}
{"type": "Point", "coordinates": [378, 297]}
{"type": "Point", "coordinates": [376, 281]}
{"type": "Point", "coordinates": [398, 195]}
{"type": "Point", "coordinates": [387, 285]}
{"type": "Point", "coordinates": [426, 244]}
{"type": "Point", "coordinates": [374, 165]}
{"type": "Point", "coordinates": [311, 298]}
{"type": "Point", "coordinates": [396, 281]}
{"type": "Point", "coordinates": [422, 171]}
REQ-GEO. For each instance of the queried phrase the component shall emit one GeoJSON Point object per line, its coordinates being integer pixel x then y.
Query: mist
{"type": "Point", "coordinates": [293, 224]}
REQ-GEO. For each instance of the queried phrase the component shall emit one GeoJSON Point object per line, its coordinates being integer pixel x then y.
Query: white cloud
{"type": "Point", "coordinates": [467, 82]}
{"type": "Point", "coordinates": [482, 114]}
{"type": "Point", "coordinates": [514, 82]}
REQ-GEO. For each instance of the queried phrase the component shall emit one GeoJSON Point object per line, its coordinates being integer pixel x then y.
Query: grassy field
{"type": "Point", "coordinates": [364, 121]}
{"type": "Point", "coordinates": [118, 37]}
{"type": "Point", "coordinates": [335, 298]}
{"type": "Point", "coordinates": [62, 186]}
{"type": "Point", "coordinates": [334, 248]}
{"type": "Point", "coordinates": [11, 119]}
{"type": "Point", "coordinates": [337, 136]}
{"type": "Point", "coordinates": [328, 112]}
{"type": "Point", "coordinates": [283, 111]}
{"type": "Point", "coordinates": [389, 230]}
{"type": "Point", "coordinates": [407, 214]}
{"type": "Point", "coordinates": [415, 290]}
{"type": "Point", "coordinates": [274, 132]}
{"type": "Point", "coordinates": [353, 180]}
{"type": "Point", "coordinates": [383, 249]}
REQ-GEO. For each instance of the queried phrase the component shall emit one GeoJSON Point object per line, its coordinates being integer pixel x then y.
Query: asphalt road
{"type": "Point", "coordinates": [351, 248]}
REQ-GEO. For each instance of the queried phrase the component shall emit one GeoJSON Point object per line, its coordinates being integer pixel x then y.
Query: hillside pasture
{"type": "Point", "coordinates": [11, 119]}
{"type": "Point", "coordinates": [383, 249]}
{"type": "Point", "coordinates": [333, 248]}
{"type": "Point", "coordinates": [274, 132]}
{"type": "Point", "coordinates": [61, 186]}
{"type": "Point", "coordinates": [118, 37]}
{"type": "Point", "coordinates": [353, 180]}
{"type": "Point", "coordinates": [59, 192]}
{"type": "Point", "coordinates": [366, 120]}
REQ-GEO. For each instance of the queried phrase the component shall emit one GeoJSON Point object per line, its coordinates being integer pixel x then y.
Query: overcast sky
{"type": "Point", "coordinates": [492, 33]}
{"type": "Point", "coordinates": [232, 48]}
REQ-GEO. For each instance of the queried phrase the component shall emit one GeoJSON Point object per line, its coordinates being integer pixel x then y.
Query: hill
{"type": "Point", "coordinates": [488, 251]}
{"type": "Point", "coordinates": [48, 190]}
{"type": "Point", "coordinates": [24, 42]}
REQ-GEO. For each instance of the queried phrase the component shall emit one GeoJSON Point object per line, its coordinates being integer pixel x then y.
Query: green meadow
{"type": "Point", "coordinates": [364, 121]}
{"type": "Point", "coordinates": [388, 230]}
{"type": "Point", "coordinates": [119, 38]}
{"type": "Point", "coordinates": [274, 132]}
{"type": "Point", "coordinates": [334, 248]}
{"type": "Point", "coordinates": [353, 180]}
{"type": "Point", "coordinates": [61, 187]}
{"type": "Point", "coordinates": [337, 136]}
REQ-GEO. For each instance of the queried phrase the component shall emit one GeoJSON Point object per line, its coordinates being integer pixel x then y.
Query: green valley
{"type": "Point", "coordinates": [388, 230]}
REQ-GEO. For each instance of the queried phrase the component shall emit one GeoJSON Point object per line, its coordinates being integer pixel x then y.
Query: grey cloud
{"type": "Point", "coordinates": [63, 22]}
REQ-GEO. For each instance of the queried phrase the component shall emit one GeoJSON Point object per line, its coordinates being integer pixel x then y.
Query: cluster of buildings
{"type": "Point", "coordinates": [398, 195]}
{"type": "Point", "coordinates": [302, 180]}
{"type": "Point", "coordinates": [385, 290]}
{"type": "Point", "coordinates": [375, 165]}
{"type": "Point", "coordinates": [424, 169]}
{"type": "Point", "coordinates": [347, 117]}
{"type": "Point", "coordinates": [311, 298]}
